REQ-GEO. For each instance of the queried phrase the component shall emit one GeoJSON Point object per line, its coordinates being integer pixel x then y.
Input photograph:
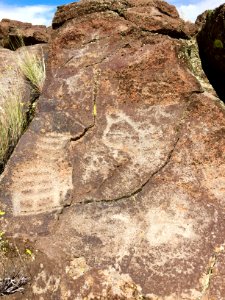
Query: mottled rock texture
{"type": "Point", "coordinates": [10, 76]}
{"type": "Point", "coordinates": [201, 19]}
{"type": "Point", "coordinates": [11, 33]}
{"type": "Point", "coordinates": [118, 185]}
{"type": "Point", "coordinates": [211, 41]}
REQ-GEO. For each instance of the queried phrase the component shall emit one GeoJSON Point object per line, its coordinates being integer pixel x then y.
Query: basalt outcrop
{"type": "Point", "coordinates": [12, 32]}
{"type": "Point", "coordinates": [118, 185]}
{"type": "Point", "coordinates": [211, 41]}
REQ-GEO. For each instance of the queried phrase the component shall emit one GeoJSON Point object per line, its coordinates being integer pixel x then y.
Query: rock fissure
{"type": "Point", "coordinates": [94, 110]}
{"type": "Point", "coordinates": [184, 116]}
{"type": "Point", "coordinates": [137, 191]}
{"type": "Point", "coordinates": [86, 66]}
{"type": "Point", "coordinates": [208, 275]}
{"type": "Point", "coordinates": [80, 136]}
{"type": "Point", "coordinates": [97, 75]}
{"type": "Point", "coordinates": [97, 63]}
{"type": "Point", "coordinates": [83, 45]}
{"type": "Point", "coordinates": [94, 63]}
{"type": "Point", "coordinates": [174, 34]}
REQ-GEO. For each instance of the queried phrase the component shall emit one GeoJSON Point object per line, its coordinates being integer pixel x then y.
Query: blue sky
{"type": "Point", "coordinates": [190, 9]}
{"type": "Point", "coordinates": [42, 11]}
{"type": "Point", "coordinates": [34, 2]}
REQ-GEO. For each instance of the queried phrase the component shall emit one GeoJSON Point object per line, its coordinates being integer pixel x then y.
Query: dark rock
{"type": "Point", "coordinates": [211, 41]}
{"type": "Point", "coordinates": [119, 181]}
{"type": "Point", "coordinates": [201, 19]}
{"type": "Point", "coordinates": [12, 32]}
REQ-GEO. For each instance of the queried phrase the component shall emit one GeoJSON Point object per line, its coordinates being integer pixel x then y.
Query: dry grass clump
{"type": "Point", "coordinates": [13, 273]}
{"type": "Point", "coordinates": [13, 284]}
{"type": "Point", "coordinates": [31, 64]}
{"type": "Point", "coordinates": [12, 121]}
{"type": "Point", "coordinates": [32, 67]}
{"type": "Point", "coordinates": [13, 117]}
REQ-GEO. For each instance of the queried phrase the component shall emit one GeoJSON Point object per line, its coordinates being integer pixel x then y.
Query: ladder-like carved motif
{"type": "Point", "coordinates": [41, 184]}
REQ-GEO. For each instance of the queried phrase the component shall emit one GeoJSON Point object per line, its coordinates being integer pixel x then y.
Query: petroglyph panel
{"type": "Point", "coordinates": [166, 226]}
{"type": "Point", "coordinates": [41, 184]}
{"type": "Point", "coordinates": [131, 147]}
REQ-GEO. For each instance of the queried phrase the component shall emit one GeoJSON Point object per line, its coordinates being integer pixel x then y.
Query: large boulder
{"type": "Point", "coordinates": [12, 33]}
{"type": "Point", "coordinates": [153, 15]}
{"type": "Point", "coordinates": [211, 41]}
{"type": "Point", "coordinates": [118, 184]}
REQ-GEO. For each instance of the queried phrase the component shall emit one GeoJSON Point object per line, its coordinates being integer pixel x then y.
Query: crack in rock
{"type": "Point", "coordinates": [137, 191]}
{"type": "Point", "coordinates": [207, 277]}
{"type": "Point", "coordinates": [80, 136]}
{"type": "Point", "coordinates": [94, 112]}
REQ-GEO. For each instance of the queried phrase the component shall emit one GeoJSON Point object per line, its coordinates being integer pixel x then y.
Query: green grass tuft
{"type": "Point", "coordinates": [32, 67]}
{"type": "Point", "coordinates": [12, 122]}
{"type": "Point", "coordinates": [13, 117]}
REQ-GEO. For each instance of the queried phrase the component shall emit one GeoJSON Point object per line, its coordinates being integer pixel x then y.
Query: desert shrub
{"type": "Point", "coordinates": [13, 273]}
{"type": "Point", "coordinates": [13, 117]}
{"type": "Point", "coordinates": [12, 121]}
{"type": "Point", "coordinates": [4, 141]}
{"type": "Point", "coordinates": [32, 67]}
{"type": "Point", "coordinates": [218, 44]}
{"type": "Point", "coordinates": [12, 284]}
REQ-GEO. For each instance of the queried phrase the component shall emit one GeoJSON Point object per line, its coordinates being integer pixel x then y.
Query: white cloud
{"type": "Point", "coordinates": [191, 11]}
{"type": "Point", "coordinates": [35, 14]}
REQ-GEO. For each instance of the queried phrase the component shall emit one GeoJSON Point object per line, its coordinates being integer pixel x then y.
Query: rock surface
{"type": "Point", "coordinates": [211, 41]}
{"type": "Point", "coordinates": [10, 76]}
{"type": "Point", "coordinates": [118, 185]}
{"type": "Point", "coordinates": [11, 33]}
{"type": "Point", "coordinates": [201, 19]}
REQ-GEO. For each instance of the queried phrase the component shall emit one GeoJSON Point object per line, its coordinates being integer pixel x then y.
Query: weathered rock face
{"type": "Point", "coordinates": [11, 32]}
{"type": "Point", "coordinates": [153, 15]}
{"type": "Point", "coordinates": [118, 184]}
{"type": "Point", "coordinates": [10, 74]}
{"type": "Point", "coordinates": [201, 19]}
{"type": "Point", "coordinates": [211, 41]}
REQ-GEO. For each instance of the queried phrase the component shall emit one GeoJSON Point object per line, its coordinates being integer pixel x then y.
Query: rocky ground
{"type": "Point", "coordinates": [116, 190]}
